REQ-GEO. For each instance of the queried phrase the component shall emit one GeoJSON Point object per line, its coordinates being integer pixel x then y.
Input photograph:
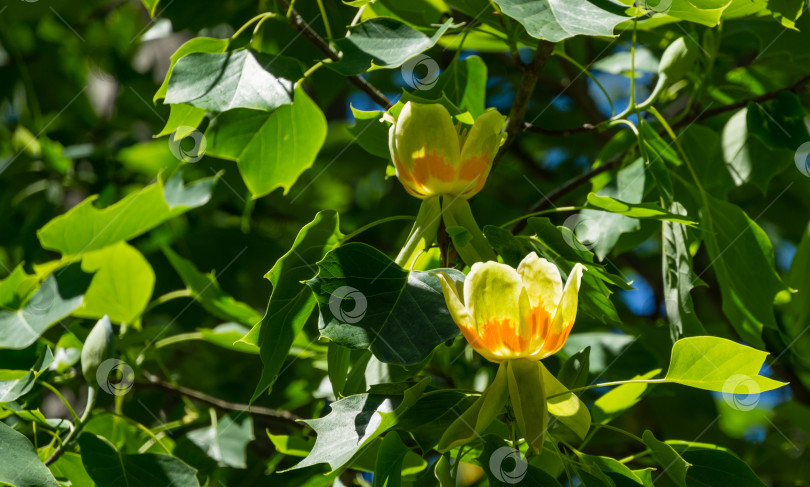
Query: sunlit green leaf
{"type": "Point", "coordinates": [555, 20]}
{"type": "Point", "coordinates": [86, 228]}
{"type": "Point", "coordinates": [236, 79]}
{"type": "Point", "coordinates": [718, 364]}
{"type": "Point", "coordinates": [272, 149]}
{"type": "Point", "coordinates": [381, 43]}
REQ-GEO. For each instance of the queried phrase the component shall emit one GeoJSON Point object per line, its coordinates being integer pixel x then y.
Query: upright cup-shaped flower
{"type": "Point", "coordinates": [433, 157]}
{"type": "Point", "coordinates": [507, 313]}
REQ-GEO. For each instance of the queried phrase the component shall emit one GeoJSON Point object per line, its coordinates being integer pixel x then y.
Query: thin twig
{"type": "Point", "coordinates": [156, 381]}
{"type": "Point", "coordinates": [795, 87]}
{"type": "Point", "coordinates": [563, 190]}
{"type": "Point", "coordinates": [515, 126]}
{"type": "Point", "coordinates": [301, 25]}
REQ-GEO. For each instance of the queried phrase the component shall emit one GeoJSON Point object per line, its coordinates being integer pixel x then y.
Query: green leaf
{"type": "Point", "coordinates": [567, 408]}
{"type": "Point", "coordinates": [85, 228]}
{"type": "Point", "coordinates": [381, 42]}
{"type": "Point", "coordinates": [717, 364]}
{"type": "Point", "coordinates": [69, 468]}
{"type": "Point", "coordinates": [505, 469]}
{"type": "Point", "coordinates": [17, 383]}
{"type": "Point", "coordinates": [110, 468]}
{"type": "Point", "coordinates": [228, 335]}
{"type": "Point", "coordinates": [620, 399]}
{"type": "Point", "coordinates": [399, 315]}
{"type": "Point", "coordinates": [559, 245]}
{"type": "Point", "coordinates": [388, 467]}
{"type": "Point", "coordinates": [222, 81]}
{"type": "Point", "coordinates": [206, 291]}
{"type": "Point", "coordinates": [291, 303]}
{"type": "Point", "coordinates": [272, 149]}
{"type": "Point", "coordinates": [706, 12]}
{"type": "Point", "coordinates": [16, 288]}
{"type": "Point", "coordinates": [778, 123]}
{"type": "Point", "coordinates": [463, 82]}
{"type": "Point", "coordinates": [611, 466]}
{"type": "Point", "coordinates": [151, 6]}
{"type": "Point", "coordinates": [471, 422]}
{"type": "Point", "coordinates": [19, 464]}
{"type": "Point", "coordinates": [195, 45]}
{"type": "Point", "coordinates": [182, 118]}
{"type": "Point", "coordinates": [48, 305]}
{"type": "Point", "coordinates": [355, 422]}
{"type": "Point", "coordinates": [744, 150]}
{"type": "Point", "coordinates": [575, 369]}
{"type": "Point", "coordinates": [742, 258]}
{"type": "Point", "coordinates": [672, 463]}
{"type": "Point", "coordinates": [338, 359]}
{"type": "Point", "coordinates": [599, 231]}
{"type": "Point", "coordinates": [369, 132]}
{"type": "Point", "coordinates": [428, 419]}
{"type": "Point", "coordinates": [225, 441]}
{"type": "Point", "coordinates": [679, 279]}
{"type": "Point", "coordinates": [555, 20]}
{"type": "Point", "coordinates": [636, 210]}
{"type": "Point", "coordinates": [122, 283]}
{"type": "Point", "coordinates": [718, 467]}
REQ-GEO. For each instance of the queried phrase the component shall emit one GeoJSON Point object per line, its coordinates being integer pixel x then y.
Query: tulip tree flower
{"type": "Point", "coordinates": [437, 159]}
{"type": "Point", "coordinates": [514, 317]}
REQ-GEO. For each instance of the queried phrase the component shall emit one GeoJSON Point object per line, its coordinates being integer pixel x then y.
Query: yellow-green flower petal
{"type": "Point", "coordinates": [566, 313]}
{"type": "Point", "coordinates": [452, 296]}
{"type": "Point", "coordinates": [425, 149]}
{"type": "Point", "coordinates": [542, 282]}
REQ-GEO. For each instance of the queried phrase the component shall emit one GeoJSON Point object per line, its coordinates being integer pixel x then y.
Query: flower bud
{"type": "Point", "coordinates": [433, 157]}
{"type": "Point", "coordinates": [97, 348]}
{"type": "Point", "coordinates": [678, 59]}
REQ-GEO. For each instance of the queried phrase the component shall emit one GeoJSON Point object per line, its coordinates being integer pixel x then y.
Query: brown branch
{"type": "Point", "coordinates": [301, 25]}
{"type": "Point", "coordinates": [562, 191]}
{"type": "Point", "coordinates": [585, 128]}
{"type": "Point", "coordinates": [516, 126]}
{"type": "Point", "coordinates": [157, 382]}
{"type": "Point", "coordinates": [795, 87]}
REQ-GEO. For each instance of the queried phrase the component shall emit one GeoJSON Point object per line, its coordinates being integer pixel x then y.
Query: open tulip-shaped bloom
{"type": "Point", "coordinates": [508, 313]}
{"type": "Point", "coordinates": [434, 157]}
{"type": "Point", "coordinates": [513, 317]}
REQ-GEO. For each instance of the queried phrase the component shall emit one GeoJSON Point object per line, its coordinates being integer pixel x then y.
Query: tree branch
{"type": "Point", "coordinates": [157, 382]}
{"type": "Point", "coordinates": [795, 87]}
{"type": "Point", "coordinates": [563, 190]}
{"type": "Point", "coordinates": [301, 25]}
{"type": "Point", "coordinates": [515, 126]}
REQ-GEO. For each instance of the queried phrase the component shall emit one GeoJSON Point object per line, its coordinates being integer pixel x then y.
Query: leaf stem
{"type": "Point", "coordinates": [325, 20]}
{"type": "Point", "coordinates": [64, 401]}
{"type": "Point", "coordinates": [259, 18]}
{"type": "Point", "coordinates": [180, 293]}
{"type": "Point", "coordinates": [92, 392]}
{"type": "Point", "coordinates": [609, 384]}
{"type": "Point", "coordinates": [362, 229]}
